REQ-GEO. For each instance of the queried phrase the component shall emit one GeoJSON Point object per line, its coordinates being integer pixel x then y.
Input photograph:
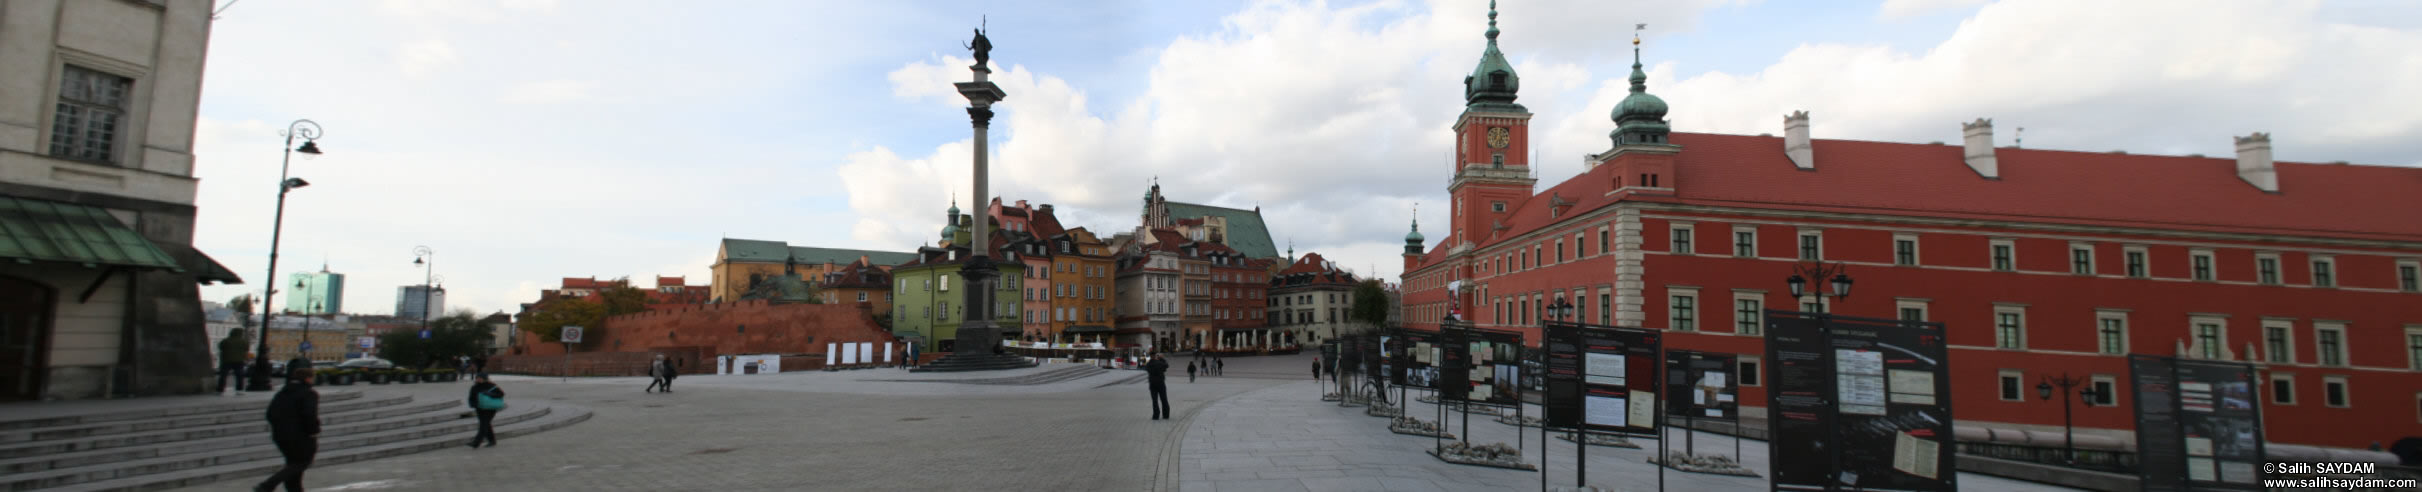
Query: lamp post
{"type": "Point", "coordinates": [2068, 429]}
{"type": "Point", "coordinates": [310, 131]}
{"type": "Point", "coordinates": [1802, 274]}
{"type": "Point", "coordinates": [425, 258]}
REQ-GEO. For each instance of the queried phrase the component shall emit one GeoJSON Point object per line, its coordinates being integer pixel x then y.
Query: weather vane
{"type": "Point", "coordinates": [1635, 33]}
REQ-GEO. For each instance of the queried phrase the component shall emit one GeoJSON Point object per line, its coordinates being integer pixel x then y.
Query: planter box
{"type": "Point", "coordinates": [340, 380]}
{"type": "Point", "coordinates": [407, 378]}
{"type": "Point", "coordinates": [377, 378]}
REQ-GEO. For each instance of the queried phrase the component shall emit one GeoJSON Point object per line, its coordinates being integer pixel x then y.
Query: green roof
{"type": "Point", "coordinates": [47, 231]}
{"type": "Point", "coordinates": [751, 250]}
{"type": "Point", "coordinates": [1246, 232]}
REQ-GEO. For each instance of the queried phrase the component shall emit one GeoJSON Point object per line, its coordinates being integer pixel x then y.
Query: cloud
{"type": "Point", "coordinates": [550, 92]}
{"type": "Point", "coordinates": [1903, 9]}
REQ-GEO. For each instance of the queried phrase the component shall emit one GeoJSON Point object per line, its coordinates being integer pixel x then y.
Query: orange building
{"type": "Point", "coordinates": [860, 283]}
{"type": "Point", "coordinates": [1083, 273]}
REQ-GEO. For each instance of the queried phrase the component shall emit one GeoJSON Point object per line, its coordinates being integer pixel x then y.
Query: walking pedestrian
{"type": "Point", "coordinates": [480, 364]}
{"type": "Point", "coordinates": [1160, 387]}
{"type": "Point", "coordinates": [486, 399]}
{"type": "Point", "coordinates": [1189, 372]}
{"type": "Point", "coordinates": [232, 351]}
{"type": "Point", "coordinates": [1316, 368]}
{"type": "Point", "coordinates": [294, 425]}
{"type": "Point", "coordinates": [655, 374]}
{"type": "Point", "coordinates": [672, 369]}
{"type": "Point", "coordinates": [1219, 366]}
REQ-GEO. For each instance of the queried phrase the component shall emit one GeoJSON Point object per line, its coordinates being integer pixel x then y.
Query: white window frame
{"type": "Point", "coordinates": [1916, 249]}
{"type": "Point", "coordinates": [2194, 342]}
{"type": "Point", "coordinates": [2412, 361]}
{"type": "Point", "coordinates": [2287, 342]}
{"type": "Point", "coordinates": [2006, 375]}
{"type": "Point", "coordinates": [1741, 370]}
{"type": "Point", "coordinates": [1735, 239]}
{"type": "Point", "coordinates": [1759, 319]}
{"type": "Point", "coordinates": [2000, 309]}
{"type": "Point", "coordinates": [2399, 275]}
{"type": "Point", "coordinates": [2211, 263]}
{"type": "Point", "coordinates": [1923, 312]}
{"type": "Point", "coordinates": [2271, 278]}
{"type": "Point", "coordinates": [2091, 266]}
{"type": "Point", "coordinates": [2346, 391]}
{"type": "Point", "coordinates": [1799, 246]}
{"type": "Point", "coordinates": [2273, 388]}
{"type": "Point", "coordinates": [1993, 260]}
{"type": "Point", "coordinates": [2322, 359]}
{"type": "Point", "coordinates": [2143, 263]}
{"type": "Point", "coordinates": [2109, 314]}
{"type": "Point", "coordinates": [2321, 264]}
{"type": "Point", "coordinates": [2098, 382]}
{"type": "Point", "coordinates": [1681, 234]}
{"type": "Point", "coordinates": [1673, 322]}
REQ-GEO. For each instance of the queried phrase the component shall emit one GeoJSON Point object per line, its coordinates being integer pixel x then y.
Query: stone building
{"type": "Point", "coordinates": [2039, 262]}
{"type": "Point", "coordinates": [1311, 299]}
{"type": "Point", "coordinates": [741, 262]}
{"type": "Point", "coordinates": [97, 183]}
{"type": "Point", "coordinates": [1151, 305]}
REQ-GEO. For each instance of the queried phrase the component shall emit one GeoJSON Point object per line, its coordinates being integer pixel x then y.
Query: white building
{"type": "Point", "coordinates": [97, 108]}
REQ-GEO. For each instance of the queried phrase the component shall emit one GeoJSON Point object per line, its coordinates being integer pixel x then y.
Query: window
{"type": "Point", "coordinates": [1748, 315]}
{"type": "Point", "coordinates": [2111, 331]}
{"type": "Point", "coordinates": [1606, 308]}
{"type": "Point", "coordinates": [861, 297]}
{"type": "Point", "coordinates": [1602, 243]}
{"type": "Point", "coordinates": [1745, 242]}
{"type": "Point", "coordinates": [2283, 388]}
{"type": "Point", "coordinates": [2333, 391]}
{"type": "Point", "coordinates": [2010, 383]}
{"type": "Point", "coordinates": [1580, 245]}
{"type": "Point", "coordinates": [1904, 250]}
{"type": "Point", "coordinates": [2329, 343]}
{"type": "Point", "coordinates": [2201, 261]}
{"type": "Point", "coordinates": [1811, 244]}
{"type": "Point", "coordinates": [2106, 391]}
{"type": "Point", "coordinates": [1559, 250]}
{"type": "Point", "coordinates": [2325, 272]}
{"type": "Point", "coordinates": [1913, 314]}
{"type": "Point", "coordinates": [2413, 347]}
{"type": "Point", "coordinates": [1812, 306]}
{"type": "Point", "coordinates": [2135, 259]}
{"type": "Point", "coordinates": [2266, 269]}
{"type": "Point", "coordinates": [1686, 311]}
{"type": "Point", "coordinates": [2081, 259]}
{"type": "Point", "coordinates": [2209, 342]}
{"type": "Point", "coordinates": [2409, 276]}
{"type": "Point", "coordinates": [2002, 255]}
{"type": "Point", "coordinates": [1752, 368]}
{"type": "Point", "coordinates": [1497, 207]}
{"type": "Point", "coordinates": [1681, 240]}
{"type": "Point", "coordinates": [1910, 309]}
{"type": "Point", "coordinates": [91, 104]}
{"type": "Point", "coordinates": [2009, 328]}
{"type": "Point", "coordinates": [945, 282]}
{"type": "Point", "coordinates": [2277, 344]}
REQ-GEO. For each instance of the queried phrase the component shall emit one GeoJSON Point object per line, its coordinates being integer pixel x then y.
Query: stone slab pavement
{"type": "Point", "coordinates": [1283, 438]}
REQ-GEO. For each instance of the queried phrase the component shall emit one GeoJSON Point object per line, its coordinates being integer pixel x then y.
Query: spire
{"type": "Point", "coordinates": [1492, 22]}
{"type": "Point", "coordinates": [1493, 84]}
{"type": "Point", "coordinates": [1412, 240]}
{"type": "Point", "coordinates": [1640, 118]}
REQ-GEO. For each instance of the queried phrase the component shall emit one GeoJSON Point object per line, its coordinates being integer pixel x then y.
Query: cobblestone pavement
{"type": "Point", "coordinates": [1283, 438]}
{"type": "Point", "coordinates": [813, 431]}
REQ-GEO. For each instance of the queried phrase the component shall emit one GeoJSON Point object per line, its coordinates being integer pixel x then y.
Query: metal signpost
{"type": "Point", "coordinates": [569, 336]}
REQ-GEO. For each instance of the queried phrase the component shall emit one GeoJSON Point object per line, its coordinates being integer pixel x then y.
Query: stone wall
{"type": "Point", "coordinates": [697, 334]}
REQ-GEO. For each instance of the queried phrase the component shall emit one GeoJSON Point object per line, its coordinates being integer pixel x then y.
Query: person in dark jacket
{"type": "Point", "coordinates": [294, 425]}
{"type": "Point", "coordinates": [298, 362]}
{"type": "Point", "coordinates": [1160, 386]}
{"type": "Point", "coordinates": [487, 416]}
{"type": "Point", "coordinates": [480, 364]}
{"type": "Point", "coordinates": [1189, 372]}
{"type": "Point", "coordinates": [1315, 368]}
{"type": "Point", "coordinates": [231, 359]}
{"type": "Point", "coordinates": [672, 369]}
{"type": "Point", "coordinates": [1219, 366]}
{"type": "Point", "coordinates": [656, 370]}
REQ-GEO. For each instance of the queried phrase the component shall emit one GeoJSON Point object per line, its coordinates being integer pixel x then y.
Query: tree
{"type": "Point", "coordinates": [623, 299]}
{"type": "Point", "coordinates": [548, 320]}
{"type": "Point", "coordinates": [452, 336]}
{"type": "Point", "coordinates": [1371, 304]}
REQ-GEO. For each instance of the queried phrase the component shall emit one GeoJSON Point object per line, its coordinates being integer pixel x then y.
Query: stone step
{"type": "Point", "coordinates": [11, 425]}
{"type": "Point", "coordinates": [255, 414]}
{"type": "Point", "coordinates": [263, 451]}
{"type": "Point", "coordinates": [250, 472]}
{"type": "Point", "coordinates": [234, 436]}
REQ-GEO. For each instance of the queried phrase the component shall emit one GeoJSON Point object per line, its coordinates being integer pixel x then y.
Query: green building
{"type": "Point", "coordinates": [321, 292]}
{"type": "Point", "coordinates": [929, 297]}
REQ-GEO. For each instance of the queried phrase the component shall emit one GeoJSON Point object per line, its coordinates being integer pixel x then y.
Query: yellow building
{"type": "Point", "coordinates": [1083, 279]}
{"type": "Point", "coordinates": [742, 262]}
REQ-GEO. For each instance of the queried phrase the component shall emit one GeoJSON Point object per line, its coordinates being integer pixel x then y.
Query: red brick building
{"type": "Point", "coordinates": [2039, 262]}
{"type": "Point", "coordinates": [1240, 287]}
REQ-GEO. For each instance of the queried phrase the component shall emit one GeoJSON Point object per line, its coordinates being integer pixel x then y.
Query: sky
{"type": "Point", "coordinates": [524, 141]}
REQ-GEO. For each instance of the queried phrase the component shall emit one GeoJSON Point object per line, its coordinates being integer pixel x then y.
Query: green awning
{"type": "Point", "coordinates": [46, 231]}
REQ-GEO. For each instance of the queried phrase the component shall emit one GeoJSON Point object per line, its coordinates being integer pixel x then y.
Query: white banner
{"type": "Point", "coordinates": [886, 351]}
{"type": "Point", "coordinates": [866, 352]}
{"type": "Point", "coordinates": [849, 353]}
{"type": "Point", "coordinates": [830, 354]}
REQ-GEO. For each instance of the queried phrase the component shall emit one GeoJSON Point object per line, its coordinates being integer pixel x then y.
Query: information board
{"type": "Point", "coordinates": [1601, 378]}
{"type": "Point", "coordinates": [2198, 424]}
{"type": "Point", "coordinates": [1454, 362]}
{"type": "Point", "coordinates": [1373, 361]}
{"type": "Point", "coordinates": [1414, 359]}
{"type": "Point", "coordinates": [1702, 385]}
{"type": "Point", "coordinates": [1328, 356]}
{"type": "Point", "coordinates": [1858, 403]}
{"type": "Point", "coordinates": [1496, 370]}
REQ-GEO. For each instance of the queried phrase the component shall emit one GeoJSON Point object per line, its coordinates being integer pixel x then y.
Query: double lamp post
{"type": "Point", "coordinates": [310, 131]}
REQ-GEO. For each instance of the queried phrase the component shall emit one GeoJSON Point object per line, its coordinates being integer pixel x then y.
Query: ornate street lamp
{"type": "Point", "coordinates": [1802, 274]}
{"type": "Point", "coordinates": [2068, 429]}
{"type": "Point", "coordinates": [310, 131]}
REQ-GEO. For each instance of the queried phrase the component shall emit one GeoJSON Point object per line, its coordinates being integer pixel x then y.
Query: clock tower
{"type": "Point", "coordinates": [1492, 148]}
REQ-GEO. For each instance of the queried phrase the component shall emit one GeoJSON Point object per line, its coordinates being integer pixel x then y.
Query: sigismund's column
{"type": "Point", "coordinates": [979, 333]}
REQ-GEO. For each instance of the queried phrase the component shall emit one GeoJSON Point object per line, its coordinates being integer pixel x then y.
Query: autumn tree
{"type": "Point", "coordinates": [549, 318]}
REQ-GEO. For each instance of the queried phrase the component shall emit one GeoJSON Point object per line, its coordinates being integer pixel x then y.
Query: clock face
{"type": "Point", "coordinates": [1499, 137]}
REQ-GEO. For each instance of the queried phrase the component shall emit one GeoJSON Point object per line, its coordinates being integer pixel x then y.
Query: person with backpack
{"type": "Point", "coordinates": [294, 426]}
{"type": "Point", "coordinates": [232, 354]}
{"type": "Point", "coordinates": [486, 399]}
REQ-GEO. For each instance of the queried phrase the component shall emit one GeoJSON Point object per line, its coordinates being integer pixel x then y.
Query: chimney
{"type": "Point", "coordinates": [1795, 140]}
{"type": "Point", "coordinates": [2254, 162]}
{"type": "Point", "coordinates": [1046, 208]}
{"type": "Point", "coordinates": [1979, 137]}
{"type": "Point", "coordinates": [1022, 204]}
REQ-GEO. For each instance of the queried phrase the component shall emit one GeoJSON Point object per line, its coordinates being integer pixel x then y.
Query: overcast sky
{"type": "Point", "coordinates": [529, 140]}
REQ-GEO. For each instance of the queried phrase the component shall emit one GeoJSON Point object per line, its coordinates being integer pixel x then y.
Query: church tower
{"type": "Point", "coordinates": [1642, 158]}
{"type": "Point", "coordinates": [1492, 148]}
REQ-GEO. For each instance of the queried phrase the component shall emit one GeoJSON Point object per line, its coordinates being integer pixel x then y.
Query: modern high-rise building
{"type": "Point", "coordinates": [321, 292]}
{"type": "Point", "coordinates": [417, 301]}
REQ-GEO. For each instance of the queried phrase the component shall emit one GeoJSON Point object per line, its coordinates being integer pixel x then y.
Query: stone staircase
{"type": "Point", "coordinates": [965, 362]}
{"type": "Point", "coordinates": [1069, 373]}
{"type": "Point", "coordinates": [198, 444]}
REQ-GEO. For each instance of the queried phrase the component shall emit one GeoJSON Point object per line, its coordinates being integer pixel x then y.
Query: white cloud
{"type": "Point", "coordinates": [1903, 9]}
{"type": "Point", "coordinates": [551, 92]}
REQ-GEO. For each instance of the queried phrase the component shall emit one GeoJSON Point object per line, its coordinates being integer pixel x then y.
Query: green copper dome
{"type": "Point", "coordinates": [1493, 84]}
{"type": "Point", "coordinates": [1412, 240]}
{"type": "Point", "coordinates": [1640, 118]}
